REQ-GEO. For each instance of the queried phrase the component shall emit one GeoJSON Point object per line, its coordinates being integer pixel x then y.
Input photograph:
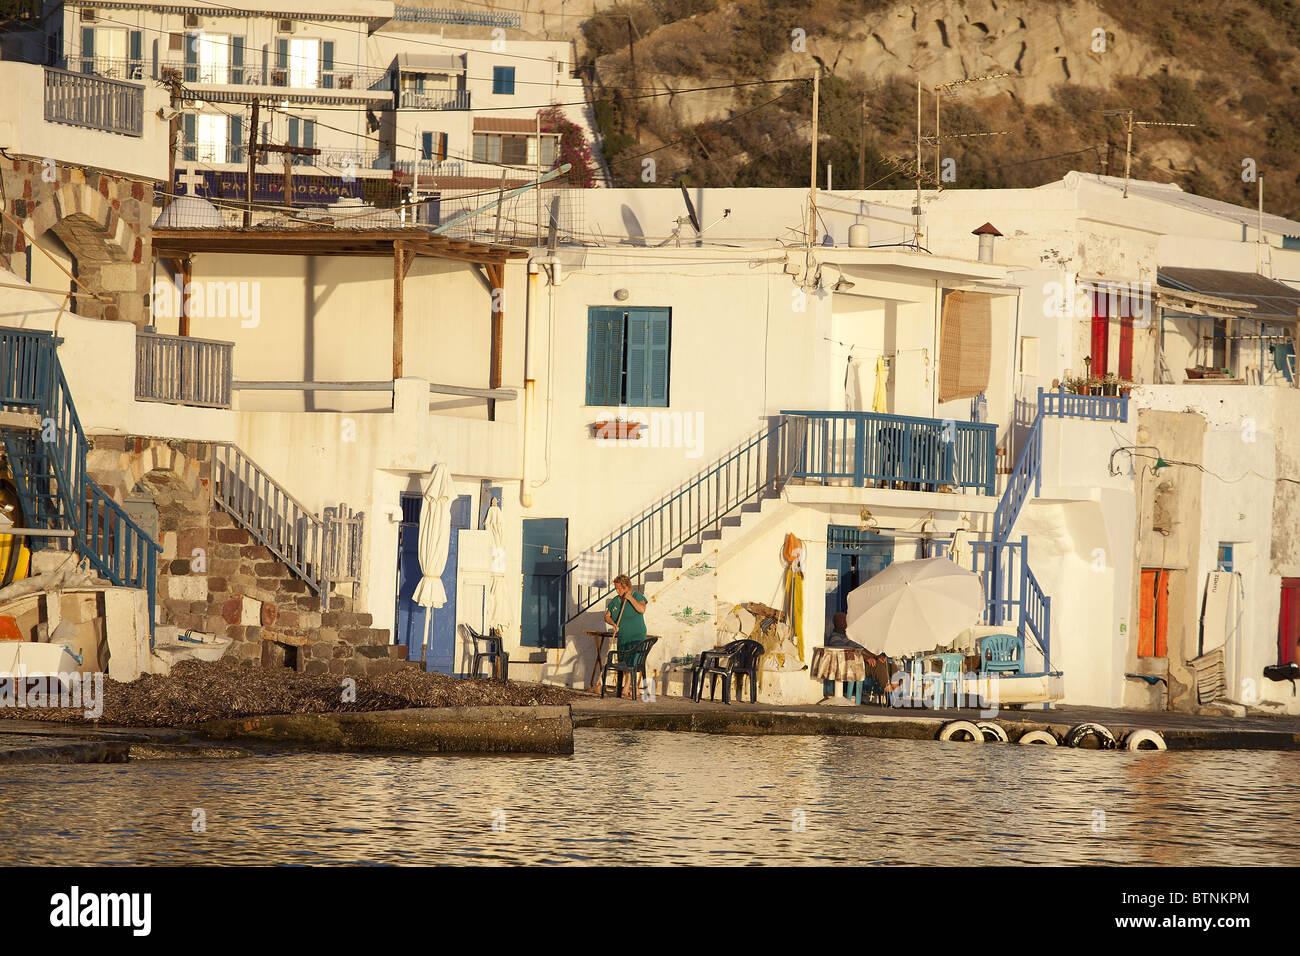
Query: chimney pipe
{"type": "Point", "coordinates": [986, 233]}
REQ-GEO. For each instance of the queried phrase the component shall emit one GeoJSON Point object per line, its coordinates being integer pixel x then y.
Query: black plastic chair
{"type": "Point", "coordinates": [628, 660]}
{"type": "Point", "coordinates": [739, 659]}
{"type": "Point", "coordinates": [488, 647]}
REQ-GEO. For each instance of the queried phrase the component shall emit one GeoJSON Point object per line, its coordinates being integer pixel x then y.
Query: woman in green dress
{"type": "Point", "coordinates": [626, 614]}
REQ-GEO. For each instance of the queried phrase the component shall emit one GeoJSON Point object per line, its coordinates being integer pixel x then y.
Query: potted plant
{"type": "Point", "coordinates": [1110, 384]}
{"type": "Point", "coordinates": [617, 428]}
{"type": "Point", "coordinates": [1094, 385]}
{"type": "Point", "coordinates": [1077, 384]}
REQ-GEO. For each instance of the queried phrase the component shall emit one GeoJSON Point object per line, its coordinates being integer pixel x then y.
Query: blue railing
{"type": "Point", "coordinates": [48, 465]}
{"type": "Point", "coordinates": [1028, 471]}
{"type": "Point", "coordinates": [1012, 593]}
{"type": "Point", "coordinates": [923, 453]}
{"type": "Point", "coordinates": [1036, 615]}
{"type": "Point", "coordinates": [760, 464]}
{"type": "Point", "coordinates": [1100, 408]}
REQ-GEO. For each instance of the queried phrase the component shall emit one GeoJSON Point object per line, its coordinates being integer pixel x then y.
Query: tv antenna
{"type": "Point", "coordinates": [947, 88]}
{"type": "Point", "coordinates": [1128, 144]}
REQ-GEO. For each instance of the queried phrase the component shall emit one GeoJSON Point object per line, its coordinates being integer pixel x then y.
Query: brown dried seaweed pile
{"type": "Point", "coordinates": [196, 691]}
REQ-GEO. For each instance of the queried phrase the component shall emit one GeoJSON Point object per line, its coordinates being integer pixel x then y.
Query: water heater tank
{"type": "Point", "coordinates": [859, 236]}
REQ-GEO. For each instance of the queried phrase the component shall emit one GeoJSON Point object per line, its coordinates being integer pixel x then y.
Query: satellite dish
{"type": "Point", "coordinates": [690, 209]}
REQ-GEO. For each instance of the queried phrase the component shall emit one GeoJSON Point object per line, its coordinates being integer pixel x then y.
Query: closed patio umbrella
{"type": "Point", "coordinates": [914, 606]}
{"type": "Point", "coordinates": [435, 538]}
{"type": "Point", "coordinates": [498, 613]}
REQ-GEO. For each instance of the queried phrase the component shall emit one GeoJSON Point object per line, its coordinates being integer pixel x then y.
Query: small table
{"type": "Point", "coordinates": [600, 652]}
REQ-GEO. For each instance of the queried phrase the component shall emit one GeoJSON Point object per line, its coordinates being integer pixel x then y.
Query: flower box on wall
{"type": "Point", "coordinates": [629, 431]}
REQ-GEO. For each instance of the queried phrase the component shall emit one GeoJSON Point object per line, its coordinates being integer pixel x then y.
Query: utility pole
{"type": "Point", "coordinates": [1259, 227]}
{"type": "Point", "coordinates": [916, 210]}
{"type": "Point", "coordinates": [1128, 152]}
{"type": "Point", "coordinates": [289, 152]}
{"type": "Point", "coordinates": [862, 144]}
{"type": "Point", "coordinates": [173, 133]}
{"type": "Point", "coordinates": [812, 178]}
{"type": "Point", "coordinates": [252, 166]}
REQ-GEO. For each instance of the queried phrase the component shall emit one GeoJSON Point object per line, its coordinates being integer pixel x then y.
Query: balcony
{"type": "Point", "coordinates": [225, 74]}
{"type": "Point", "coordinates": [94, 102]}
{"type": "Point", "coordinates": [180, 370]}
{"type": "Point", "coordinates": [897, 451]}
{"type": "Point", "coordinates": [434, 99]}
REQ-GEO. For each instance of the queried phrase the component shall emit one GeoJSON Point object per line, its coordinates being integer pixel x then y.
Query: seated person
{"type": "Point", "coordinates": [877, 664]}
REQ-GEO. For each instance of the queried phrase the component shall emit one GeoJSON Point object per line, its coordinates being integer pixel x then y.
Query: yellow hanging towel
{"type": "Point", "coordinates": [879, 400]}
{"type": "Point", "coordinates": [794, 601]}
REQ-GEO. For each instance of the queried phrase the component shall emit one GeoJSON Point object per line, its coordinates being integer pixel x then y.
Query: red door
{"type": "Point", "coordinates": [1288, 621]}
{"type": "Point", "coordinates": [1100, 333]}
{"type": "Point", "coordinates": [1153, 614]}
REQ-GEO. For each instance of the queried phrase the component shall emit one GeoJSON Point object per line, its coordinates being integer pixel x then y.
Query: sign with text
{"type": "Point", "coordinates": [308, 190]}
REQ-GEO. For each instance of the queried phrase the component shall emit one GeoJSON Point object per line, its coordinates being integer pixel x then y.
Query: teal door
{"type": "Point", "coordinates": [545, 572]}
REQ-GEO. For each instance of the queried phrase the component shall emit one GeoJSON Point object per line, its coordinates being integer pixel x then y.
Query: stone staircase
{"type": "Point", "coordinates": [271, 615]}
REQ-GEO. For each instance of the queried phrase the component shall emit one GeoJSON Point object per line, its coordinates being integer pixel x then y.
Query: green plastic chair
{"type": "Point", "coordinates": [1002, 653]}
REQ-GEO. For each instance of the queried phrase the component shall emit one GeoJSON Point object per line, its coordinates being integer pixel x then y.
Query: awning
{"type": "Point", "coordinates": [1263, 298]}
{"type": "Point", "coordinates": [430, 63]}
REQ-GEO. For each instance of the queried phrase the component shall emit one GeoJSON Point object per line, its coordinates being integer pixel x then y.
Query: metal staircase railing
{"type": "Point", "coordinates": [317, 550]}
{"type": "Point", "coordinates": [760, 464]}
{"type": "Point", "coordinates": [48, 465]}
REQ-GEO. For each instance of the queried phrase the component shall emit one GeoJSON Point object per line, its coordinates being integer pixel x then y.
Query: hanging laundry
{"type": "Point", "coordinates": [592, 570]}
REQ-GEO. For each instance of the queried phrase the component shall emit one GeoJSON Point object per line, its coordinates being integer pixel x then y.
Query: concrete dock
{"type": "Point", "coordinates": [1180, 731]}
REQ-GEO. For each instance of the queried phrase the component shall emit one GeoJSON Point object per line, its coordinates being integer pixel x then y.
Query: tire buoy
{"type": "Point", "coordinates": [961, 730]}
{"type": "Point", "coordinates": [1144, 740]}
{"type": "Point", "coordinates": [1081, 732]}
{"type": "Point", "coordinates": [993, 733]}
{"type": "Point", "coordinates": [1037, 737]}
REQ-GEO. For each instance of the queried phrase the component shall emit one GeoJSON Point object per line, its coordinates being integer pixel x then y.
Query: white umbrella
{"type": "Point", "coordinates": [435, 537]}
{"type": "Point", "coordinates": [914, 605]}
{"type": "Point", "coordinates": [498, 606]}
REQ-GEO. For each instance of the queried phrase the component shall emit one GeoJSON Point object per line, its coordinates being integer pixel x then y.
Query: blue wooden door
{"type": "Point", "coordinates": [441, 657]}
{"type": "Point", "coordinates": [409, 629]}
{"type": "Point", "coordinates": [545, 565]}
{"type": "Point", "coordinates": [855, 557]}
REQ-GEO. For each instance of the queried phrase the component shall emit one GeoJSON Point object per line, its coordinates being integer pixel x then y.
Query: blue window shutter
{"type": "Point", "coordinates": [281, 54]}
{"type": "Point", "coordinates": [426, 146]}
{"type": "Point", "coordinates": [87, 49]}
{"type": "Point", "coordinates": [308, 136]}
{"type": "Point", "coordinates": [237, 51]}
{"type": "Point", "coordinates": [660, 327]}
{"type": "Point", "coordinates": [236, 139]}
{"type": "Point", "coordinates": [327, 64]}
{"type": "Point", "coordinates": [191, 58]}
{"type": "Point", "coordinates": [503, 80]}
{"type": "Point", "coordinates": [604, 356]}
{"type": "Point", "coordinates": [293, 131]}
{"type": "Point", "coordinates": [190, 151]}
{"type": "Point", "coordinates": [137, 45]}
{"type": "Point", "coordinates": [510, 80]}
{"type": "Point", "coordinates": [442, 147]}
{"type": "Point", "coordinates": [638, 358]}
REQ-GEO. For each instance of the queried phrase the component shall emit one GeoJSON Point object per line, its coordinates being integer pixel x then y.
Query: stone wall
{"type": "Point", "coordinates": [214, 577]}
{"type": "Point", "coordinates": [105, 222]}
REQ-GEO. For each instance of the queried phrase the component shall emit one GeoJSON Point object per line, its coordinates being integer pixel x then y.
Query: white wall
{"type": "Point", "coordinates": [24, 131]}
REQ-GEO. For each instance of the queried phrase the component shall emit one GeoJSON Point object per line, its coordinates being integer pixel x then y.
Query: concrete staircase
{"type": "Point", "coordinates": [269, 612]}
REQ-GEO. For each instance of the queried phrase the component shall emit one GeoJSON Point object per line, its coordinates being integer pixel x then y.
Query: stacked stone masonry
{"type": "Point", "coordinates": [215, 578]}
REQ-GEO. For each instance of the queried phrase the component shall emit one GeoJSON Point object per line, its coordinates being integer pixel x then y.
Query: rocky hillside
{"type": "Point", "coordinates": [1228, 69]}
